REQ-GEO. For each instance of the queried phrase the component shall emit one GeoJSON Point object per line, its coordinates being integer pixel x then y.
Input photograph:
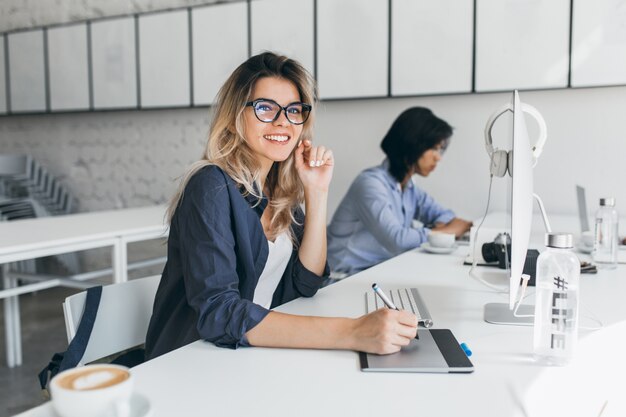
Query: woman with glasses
{"type": "Point", "coordinates": [239, 244]}
{"type": "Point", "coordinates": [374, 221]}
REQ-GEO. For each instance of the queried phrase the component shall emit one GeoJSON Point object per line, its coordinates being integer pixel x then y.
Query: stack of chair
{"type": "Point", "coordinates": [28, 190]}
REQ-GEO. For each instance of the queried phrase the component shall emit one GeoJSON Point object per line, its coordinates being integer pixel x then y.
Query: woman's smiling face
{"type": "Point", "coordinates": [274, 141]}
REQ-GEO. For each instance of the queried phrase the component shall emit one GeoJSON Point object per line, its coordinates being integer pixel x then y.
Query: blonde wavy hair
{"type": "Point", "coordinates": [227, 148]}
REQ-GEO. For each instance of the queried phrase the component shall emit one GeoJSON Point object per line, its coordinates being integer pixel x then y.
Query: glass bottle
{"type": "Point", "coordinates": [556, 303]}
{"type": "Point", "coordinates": [606, 235]}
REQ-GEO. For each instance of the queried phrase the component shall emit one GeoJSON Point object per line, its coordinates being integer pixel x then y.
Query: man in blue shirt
{"type": "Point", "coordinates": [374, 221]}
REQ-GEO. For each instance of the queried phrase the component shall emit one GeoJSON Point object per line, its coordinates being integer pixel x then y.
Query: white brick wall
{"type": "Point", "coordinates": [111, 160]}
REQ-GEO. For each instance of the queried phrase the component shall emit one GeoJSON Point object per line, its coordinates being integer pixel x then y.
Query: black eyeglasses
{"type": "Point", "coordinates": [267, 111]}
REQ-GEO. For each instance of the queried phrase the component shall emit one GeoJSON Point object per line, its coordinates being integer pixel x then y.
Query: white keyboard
{"type": "Point", "coordinates": [403, 298]}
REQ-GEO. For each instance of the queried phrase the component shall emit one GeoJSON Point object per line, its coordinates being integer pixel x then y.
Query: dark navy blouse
{"type": "Point", "coordinates": [216, 253]}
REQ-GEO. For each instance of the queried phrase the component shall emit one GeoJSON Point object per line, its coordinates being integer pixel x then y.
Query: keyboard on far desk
{"type": "Point", "coordinates": [405, 299]}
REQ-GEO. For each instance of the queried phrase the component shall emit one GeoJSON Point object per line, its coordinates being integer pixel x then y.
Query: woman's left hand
{"type": "Point", "coordinates": [314, 165]}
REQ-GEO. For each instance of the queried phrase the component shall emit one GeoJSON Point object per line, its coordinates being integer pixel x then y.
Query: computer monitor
{"type": "Point", "coordinates": [521, 198]}
{"type": "Point", "coordinates": [521, 160]}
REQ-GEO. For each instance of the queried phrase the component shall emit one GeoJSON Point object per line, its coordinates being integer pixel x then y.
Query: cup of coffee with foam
{"type": "Point", "coordinates": [92, 391]}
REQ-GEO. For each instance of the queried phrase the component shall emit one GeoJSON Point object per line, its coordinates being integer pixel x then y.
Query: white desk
{"type": "Point", "coordinates": [45, 236]}
{"type": "Point", "coordinates": [201, 379]}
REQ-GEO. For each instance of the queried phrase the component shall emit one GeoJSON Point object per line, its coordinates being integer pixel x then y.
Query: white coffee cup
{"type": "Point", "coordinates": [92, 391]}
{"type": "Point", "coordinates": [441, 239]}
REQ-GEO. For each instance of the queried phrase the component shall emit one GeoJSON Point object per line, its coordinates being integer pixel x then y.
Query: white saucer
{"type": "Point", "coordinates": [432, 249]}
{"type": "Point", "coordinates": [584, 249]}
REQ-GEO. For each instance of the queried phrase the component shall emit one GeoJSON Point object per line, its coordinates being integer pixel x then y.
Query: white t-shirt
{"type": "Point", "coordinates": [279, 253]}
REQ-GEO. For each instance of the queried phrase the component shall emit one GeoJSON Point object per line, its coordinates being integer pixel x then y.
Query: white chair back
{"type": "Point", "coordinates": [122, 320]}
{"type": "Point", "coordinates": [13, 164]}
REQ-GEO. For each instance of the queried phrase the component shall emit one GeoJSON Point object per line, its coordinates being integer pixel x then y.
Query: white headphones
{"type": "Point", "coordinates": [501, 160]}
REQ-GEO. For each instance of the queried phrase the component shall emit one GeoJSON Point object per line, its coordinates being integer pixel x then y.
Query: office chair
{"type": "Point", "coordinates": [122, 320]}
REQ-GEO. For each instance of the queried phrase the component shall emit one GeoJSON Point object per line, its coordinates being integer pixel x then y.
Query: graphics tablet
{"type": "Point", "coordinates": [436, 350]}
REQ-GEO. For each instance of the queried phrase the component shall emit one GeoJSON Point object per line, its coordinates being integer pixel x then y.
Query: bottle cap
{"type": "Point", "coordinates": [607, 201]}
{"type": "Point", "coordinates": [559, 240]}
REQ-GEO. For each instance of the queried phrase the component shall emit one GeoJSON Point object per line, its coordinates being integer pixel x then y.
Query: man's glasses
{"type": "Point", "coordinates": [267, 111]}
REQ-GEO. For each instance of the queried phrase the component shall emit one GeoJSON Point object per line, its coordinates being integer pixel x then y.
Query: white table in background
{"type": "Point", "coordinates": [203, 380]}
{"type": "Point", "coordinates": [45, 236]}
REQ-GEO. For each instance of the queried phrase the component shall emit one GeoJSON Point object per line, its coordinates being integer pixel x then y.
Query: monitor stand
{"type": "Point", "coordinates": [499, 313]}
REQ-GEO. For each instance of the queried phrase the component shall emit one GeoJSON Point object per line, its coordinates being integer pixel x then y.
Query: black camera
{"type": "Point", "coordinates": [498, 251]}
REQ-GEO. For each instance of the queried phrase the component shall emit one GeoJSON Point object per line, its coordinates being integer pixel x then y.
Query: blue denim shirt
{"type": "Point", "coordinates": [216, 253]}
{"type": "Point", "coordinates": [373, 222]}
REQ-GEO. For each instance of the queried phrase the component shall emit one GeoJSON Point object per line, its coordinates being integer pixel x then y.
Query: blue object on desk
{"type": "Point", "coordinates": [466, 349]}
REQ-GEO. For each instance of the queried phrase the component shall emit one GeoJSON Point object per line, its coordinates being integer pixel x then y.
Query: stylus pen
{"type": "Point", "coordinates": [386, 300]}
{"type": "Point", "coordinates": [383, 297]}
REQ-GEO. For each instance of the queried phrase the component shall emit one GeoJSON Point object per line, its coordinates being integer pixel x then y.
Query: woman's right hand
{"type": "Point", "coordinates": [384, 331]}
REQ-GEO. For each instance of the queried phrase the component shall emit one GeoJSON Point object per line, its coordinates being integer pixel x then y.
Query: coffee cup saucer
{"type": "Point", "coordinates": [435, 249]}
{"type": "Point", "coordinates": [584, 248]}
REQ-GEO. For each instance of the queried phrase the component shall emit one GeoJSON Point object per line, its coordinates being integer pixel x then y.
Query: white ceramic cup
{"type": "Point", "coordinates": [92, 391]}
{"type": "Point", "coordinates": [441, 239]}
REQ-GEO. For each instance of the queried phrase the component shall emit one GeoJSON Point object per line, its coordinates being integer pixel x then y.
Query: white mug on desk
{"type": "Point", "coordinates": [92, 391]}
{"type": "Point", "coordinates": [441, 239]}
